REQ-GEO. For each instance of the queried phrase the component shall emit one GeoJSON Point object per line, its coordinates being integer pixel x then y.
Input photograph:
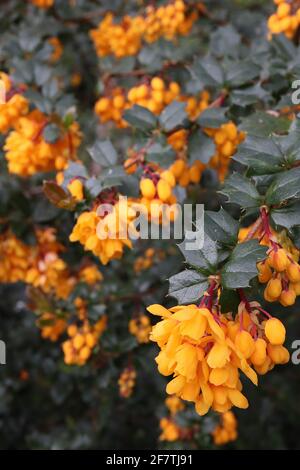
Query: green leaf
{"type": "Point", "coordinates": [263, 124]}
{"type": "Point", "coordinates": [247, 96]}
{"type": "Point", "coordinates": [241, 266]}
{"type": "Point", "coordinates": [74, 170]}
{"type": "Point", "coordinates": [221, 227]}
{"type": "Point", "coordinates": [103, 153]}
{"type": "Point", "coordinates": [51, 133]}
{"type": "Point", "coordinates": [224, 39]}
{"type": "Point", "coordinates": [286, 186]}
{"type": "Point", "coordinates": [94, 186]}
{"type": "Point", "coordinates": [188, 286]}
{"type": "Point", "coordinates": [204, 259]}
{"type": "Point", "coordinates": [240, 190]}
{"type": "Point", "coordinates": [209, 72]}
{"type": "Point", "coordinates": [263, 156]}
{"type": "Point", "coordinates": [164, 155]}
{"type": "Point", "coordinates": [212, 117]}
{"type": "Point", "coordinates": [287, 217]}
{"type": "Point", "coordinates": [140, 118]}
{"type": "Point", "coordinates": [42, 73]}
{"type": "Point", "coordinates": [173, 115]}
{"type": "Point", "coordinates": [200, 147]}
{"type": "Point", "coordinates": [241, 72]}
{"type": "Point", "coordinates": [113, 176]}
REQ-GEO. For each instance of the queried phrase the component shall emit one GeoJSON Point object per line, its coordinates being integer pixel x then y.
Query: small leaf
{"type": "Point", "coordinates": [173, 115]}
{"type": "Point", "coordinates": [204, 259]}
{"type": "Point", "coordinates": [221, 227]}
{"type": "Point", "coordinates": [73, 171]}
{"type": "Point", "coordinates": [241, 266]}
{"type": "Point", "coordinates": [240, 190]}
{"type": "Point", "coordinates": [200, 147]}
{"type": "Point", "coordinates": [212, 117]}
{"type": "Point", "coordinates": [247, 96]}
{"type": "Point", "coordinates": [284, 187]}
{"type": "Point", "coordinates": [51, 133]}
{"type": "Point", "coordinates": [141, 118]}
{"type": "Point", "coordinates": [164, 155]}
{"type": "Point", "coordinates": [287, 217]}
{"type": "Point", "coordinates": [262, 155]}
{"type": "Point", "coordinates": [103, 153]}
{"type": "Point", "coordinates": [241, 72]}
{"type": "Point", "coordinates": [94, 186]}
{"type": "Point", "coordinates": [209, 72]}
{"type": "Point", "coordinates": [263, 124]}
{"type": "Point", "coordinates": [188, 286]}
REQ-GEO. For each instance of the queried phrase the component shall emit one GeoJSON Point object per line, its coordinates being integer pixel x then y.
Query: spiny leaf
{"type": "Point", "coordinates": [103, 153]}
{"type": "Point", "coordinates": [204, 259]}
{"type": "Point", "coordinates": [173, 115]}
{"type": "Point", "coordinates": [140, 118]}
{"type": "Point", "coordinates": [262, 155]}
{"type": "Point", "coordinates": [286, 186]}
{"type": "Point", "coordinates": [188, 286]}
{"type": "Point", "coordinates": [241, 266]}
{"type": "Point", "coordinates": [240, 190]}
{"type": "Point", "coordinates": [221, 227]}
{"type": "Point", "coordinates": [287, 217]}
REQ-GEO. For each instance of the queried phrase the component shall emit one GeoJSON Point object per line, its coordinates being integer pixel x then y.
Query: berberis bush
{"type": "Point", "coordinates": [113, 112]}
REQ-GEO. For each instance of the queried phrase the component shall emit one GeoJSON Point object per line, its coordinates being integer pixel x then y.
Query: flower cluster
{"type": "Point", "coordinates": [286, 20]}
{"type": "Point", "coordinates": [185, 174]}
{"type": "Point", "coordinates": [280, 270]}
{"type": "Point", "coordinates": [226, 431]}
{"type": "Point", "coordinates": [27, 152]}
{"type": "Point", "coordinates": [14, 104]}
{"type": "Point", "coordinates": [16, 258]}
{"type": "Point", "coordinates": [57, 48]}
{"type": "Point", "coordinates": [82, 340]}
{"type": "Point", "coordinates": [140, 327]}
{"type": "Point", "coordinates": [205, 351]}
{"type": "Point", "coordinates": [126, 382]}
{"type": "Point", "coordinates": [52, 327]}
{"type": "Point", "coordinates": [174, 404]}
{"type": "Point", "coordinates": [226, 139]}
{"type": "Point", "coordinates": [154, 95]}
{"type": "Point", "coordinates": [156, 190]}
{"type": "Point", "coordinates": [90, 274]}
{"type": "Point", "coordinates": [42, 3]}
{"type": "Point", "coordinates": [170, 430]}
{"type": "Point", "coordinates": [106, 235]}
{"type": "Point", "coordinates": [41, 265]}
{"type": "Point", "coordinates": [125, 37]}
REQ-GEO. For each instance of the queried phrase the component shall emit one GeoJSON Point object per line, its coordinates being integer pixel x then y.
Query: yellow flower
{"type": "Point", "coordinates": [205, 352]}
{"type": "Point", "coordinates": [28, 153]}
{"type": "Point", "coordinates": [115, 226]}
{"type": "Point", "coordinates": [127, 382]}
{"type": "Point", "coordinates": [14, 106]}
{"type": "Point", "coordinates": [226, 431]}
{"type": "Point", "coordinates": [76, 189]}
